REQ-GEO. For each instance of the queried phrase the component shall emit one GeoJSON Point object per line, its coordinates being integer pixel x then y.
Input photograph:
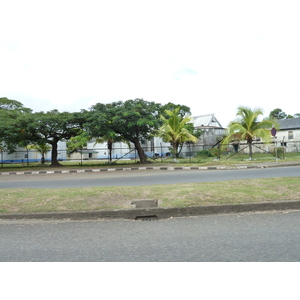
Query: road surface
{"type": "Point", "coordinates": [138, 178]}
{"type": "Point", "coordinates": [268, 236]}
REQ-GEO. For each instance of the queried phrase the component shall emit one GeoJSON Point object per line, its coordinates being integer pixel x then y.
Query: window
{"type": "Point", "coordinates": [290, 135]}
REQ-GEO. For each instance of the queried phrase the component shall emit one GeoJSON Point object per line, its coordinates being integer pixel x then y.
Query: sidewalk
{"type": "Point", "coordinates": [156, 213]}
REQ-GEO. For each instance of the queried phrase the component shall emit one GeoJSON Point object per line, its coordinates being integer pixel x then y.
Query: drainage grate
{"type": "Point", "coordinates": [146, 218]}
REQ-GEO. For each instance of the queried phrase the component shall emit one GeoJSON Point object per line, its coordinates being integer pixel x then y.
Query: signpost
{"type": "Point", "coordinates": [273, 132]}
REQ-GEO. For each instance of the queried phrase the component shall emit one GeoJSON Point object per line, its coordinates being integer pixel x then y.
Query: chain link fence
{"type": "Point", "coordinates": [188, 153]}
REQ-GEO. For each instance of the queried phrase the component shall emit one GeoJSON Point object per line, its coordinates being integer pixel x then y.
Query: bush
{"type": "Point", "coordinates": [280, 152]}
{"type": "Point", "coordinates": [204, 153]}
{"type": "Point", "coordinates": [215, 152]}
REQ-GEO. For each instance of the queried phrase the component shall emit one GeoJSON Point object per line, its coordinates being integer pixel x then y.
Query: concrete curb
{"type": "Point", "coordinates": [169, 168]}
{"type": "Point", "coordinates": [159, 212]}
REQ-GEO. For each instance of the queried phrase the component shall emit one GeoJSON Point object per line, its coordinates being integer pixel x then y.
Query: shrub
{"type": "Point", "coordinates": [215, 152]}
{"type": "Point", "coordinates": [204, 153]}
{"type": "Point", "coordinates": [280, 152]}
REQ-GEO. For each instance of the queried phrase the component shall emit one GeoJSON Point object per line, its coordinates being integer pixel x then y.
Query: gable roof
{"type": "Point", "coordinates": [206, 121]}
{"type": "Point", "coordinates": [285, 124]}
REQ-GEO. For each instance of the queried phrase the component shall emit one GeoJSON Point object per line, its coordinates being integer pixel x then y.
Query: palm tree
{"type": "Point", "coordinates": [174, 130]}
{"type": "Point", "coordinates": [42, 148]}
{"type": "Point", "coordinates": [247, 127]}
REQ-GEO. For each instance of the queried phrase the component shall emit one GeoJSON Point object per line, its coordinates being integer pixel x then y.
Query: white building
{"type": "Point", "coordinates": [212, 130]}
{"type": "Point", "coordinates": [288, 134]}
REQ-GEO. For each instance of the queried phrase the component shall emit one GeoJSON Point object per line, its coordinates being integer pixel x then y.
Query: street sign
{"type": "Point", "coordinates": [273, 131]}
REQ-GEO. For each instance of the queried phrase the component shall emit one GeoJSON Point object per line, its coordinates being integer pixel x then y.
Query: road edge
{"type": "Point", "coordinates": [158, 212]}
{"type": "Point", "coordinates": [169, 168]}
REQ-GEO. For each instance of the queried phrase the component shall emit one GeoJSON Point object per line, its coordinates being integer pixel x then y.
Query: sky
{"type": "Point", "coordinates": [212, 56]}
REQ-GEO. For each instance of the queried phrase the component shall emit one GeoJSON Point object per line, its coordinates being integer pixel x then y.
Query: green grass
{"type": "Point", "coordinates": [191, 194]}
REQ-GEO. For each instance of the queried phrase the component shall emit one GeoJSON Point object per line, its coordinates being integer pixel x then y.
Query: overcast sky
{"type": "Point", "coordinates": [212, 56]}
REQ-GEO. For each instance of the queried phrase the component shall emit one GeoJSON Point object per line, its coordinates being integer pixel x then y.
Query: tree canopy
{"type": "Point", "coordinates": [50, 127]}
{"type": "Point", "coordinates": [12, 105]}
{"type": "Point", "coordinates": [54, 126]}
{"type": "Point", "coordinates": [134, 120]}
{"type": "Point", "coordinates": [10, 133]}
{"type": "Point", "coordinates": [278, 114]}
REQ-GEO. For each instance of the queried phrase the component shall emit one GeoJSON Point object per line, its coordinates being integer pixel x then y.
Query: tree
{"type": "Point", "coordinates": [51, 127]}
{"type": "Point", "coordinates": [183, 109]}
{"type": "Point", "coordinates": [175, 131]}
{"type": "Point", "coordinates": [196, 132]}
{"type": "Point", "coordinates": [278, 114]}
{"type": "Point", "coordinates": [99, 125]}
{"type": "Point", "coordinates": [11, 134]}
{"type": "Point", "coordinates": [12, 105]}
{"type": "Point", "coordinates": [78, 142]}
{"type": "Point", "coordinates": [247, 127]}
{"type": "Point", "coordinates": [42, 148]}
{"type": "Point", "coordinates": [134, 120]}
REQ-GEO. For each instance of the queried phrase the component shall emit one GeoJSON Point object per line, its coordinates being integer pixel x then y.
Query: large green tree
{"type": "Point", "coordinates": [175, 129]}
{"type": "Point", "coordinates": [134, 120]}
{"type": "Point", "coordinates": [99, 125]}
{"type": "Point", "coordinates": [51, 127]}
{"type": "Point", "coordinates": [11, 134]}
{"type": "Point", "coordinates": [278, 114]}
{"type": "Point", "coordinates": [247, 127]}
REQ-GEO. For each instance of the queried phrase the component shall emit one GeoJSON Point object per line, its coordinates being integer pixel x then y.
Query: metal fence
{"type": "Point", "coordinates": [156, 154]}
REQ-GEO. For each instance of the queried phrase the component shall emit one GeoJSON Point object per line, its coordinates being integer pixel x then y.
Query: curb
{"type": "Point", "coordinates": [158, 213]}
{"type": "Point", "coordinates": [149, 168]}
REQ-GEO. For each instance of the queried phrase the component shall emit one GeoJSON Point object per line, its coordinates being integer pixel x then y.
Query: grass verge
{"type": "Point", "coordinates": [191, 194]}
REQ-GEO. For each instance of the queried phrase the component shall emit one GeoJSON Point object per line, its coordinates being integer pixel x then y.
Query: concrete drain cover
{"type": "Point", "coordinates": [145, 203]}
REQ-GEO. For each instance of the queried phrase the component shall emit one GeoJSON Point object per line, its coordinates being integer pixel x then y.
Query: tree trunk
{"type": "Point", "coordinates": [175, 150]}
{"type": "Point", "coordinates": [250, 149]}
{"type": "Point", "coordinates": [141, 153]}
{"type": "Point", "coordinates": [109, 146]}
{"type": "Point", "coordinates": [54, 161]}
{"type": "Point", "coordinates": [179, 151]}
{"type": "Point", "coordinates": [43, 159]}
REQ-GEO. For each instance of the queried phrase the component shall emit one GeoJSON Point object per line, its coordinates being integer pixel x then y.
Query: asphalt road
{"type": "Point", "coordinates": [248, 237]}
{"type": "Point", "coordinates": [138, 178]}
